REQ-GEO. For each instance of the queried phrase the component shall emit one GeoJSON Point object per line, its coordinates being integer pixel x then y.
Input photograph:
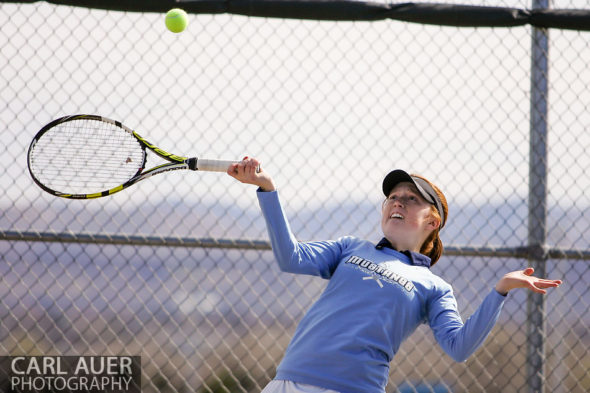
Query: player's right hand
{"type": "Point", "coordinates": [250, 171]}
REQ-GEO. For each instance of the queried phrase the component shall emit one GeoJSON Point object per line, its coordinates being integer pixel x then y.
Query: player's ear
{"type": "Point", "coordinates": [433, 222]}
{"type": "Point", "coordinates": [436, 223]}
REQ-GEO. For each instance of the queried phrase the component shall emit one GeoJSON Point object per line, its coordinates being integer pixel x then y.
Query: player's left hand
{"type": "Point", "coordinates": [525, 279]}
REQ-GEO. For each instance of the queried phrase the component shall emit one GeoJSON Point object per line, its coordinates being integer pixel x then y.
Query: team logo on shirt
{"type": "Point", "coordinates": [379, 272]}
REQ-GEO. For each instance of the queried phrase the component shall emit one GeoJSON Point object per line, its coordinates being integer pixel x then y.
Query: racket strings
{"type": "Point", "coordinates": [86, 156]}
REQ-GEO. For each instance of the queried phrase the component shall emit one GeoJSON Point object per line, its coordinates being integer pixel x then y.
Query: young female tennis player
{"type": "Point", "coordinates": [377, 294]}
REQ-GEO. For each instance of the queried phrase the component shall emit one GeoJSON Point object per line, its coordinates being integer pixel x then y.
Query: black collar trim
{"type": "Point", "coordinates": [416, 258]}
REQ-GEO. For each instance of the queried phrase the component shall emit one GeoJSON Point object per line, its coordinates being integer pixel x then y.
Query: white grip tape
{"type": "Point", "coordinates": [204, 164]}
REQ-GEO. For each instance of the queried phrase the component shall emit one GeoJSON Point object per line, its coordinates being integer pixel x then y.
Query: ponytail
{"type": "Point", "coordinates": [433, 247]}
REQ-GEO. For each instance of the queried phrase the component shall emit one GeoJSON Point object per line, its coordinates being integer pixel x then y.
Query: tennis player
{"type": "Point", "coordinates": [378, 294]}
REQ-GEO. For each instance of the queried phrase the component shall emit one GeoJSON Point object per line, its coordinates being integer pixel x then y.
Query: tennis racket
{"type": "Point", "coordinates": [89, 156]}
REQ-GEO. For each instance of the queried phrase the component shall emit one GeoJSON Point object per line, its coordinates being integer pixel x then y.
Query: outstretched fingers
{"type": "Point", "coordinates": [539, 284]}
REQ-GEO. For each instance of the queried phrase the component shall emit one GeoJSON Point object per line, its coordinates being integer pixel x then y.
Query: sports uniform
{"type": "Point", "coordinates": [376, 297]}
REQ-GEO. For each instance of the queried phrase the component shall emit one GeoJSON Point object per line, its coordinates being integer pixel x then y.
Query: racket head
{"type": "Point", "coordinates": [85, 157]}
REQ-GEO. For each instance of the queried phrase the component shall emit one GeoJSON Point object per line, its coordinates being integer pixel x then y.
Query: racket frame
{"type": "Point", "coordinates": [175, 162]}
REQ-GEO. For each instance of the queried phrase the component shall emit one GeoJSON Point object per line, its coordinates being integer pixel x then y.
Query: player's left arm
{"type": "Point", "coordinates": [459, 339]}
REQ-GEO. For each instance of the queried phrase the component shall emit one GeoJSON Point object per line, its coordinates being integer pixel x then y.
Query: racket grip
{"type": "Point", "coordinates": [209, 165]}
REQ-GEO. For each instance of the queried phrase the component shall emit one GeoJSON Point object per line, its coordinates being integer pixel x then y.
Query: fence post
{"type": "Point", "coordinates": [537, 230]}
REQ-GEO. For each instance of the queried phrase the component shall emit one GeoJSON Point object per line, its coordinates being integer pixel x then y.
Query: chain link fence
{"type": "Point", "coordinates": [178, 269]}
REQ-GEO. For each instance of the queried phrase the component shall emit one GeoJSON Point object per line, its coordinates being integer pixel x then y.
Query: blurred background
{"type": "Point", "coordinates": [330, 108]}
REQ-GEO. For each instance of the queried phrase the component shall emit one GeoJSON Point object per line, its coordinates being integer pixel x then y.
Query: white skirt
{"type": "Point", "coordinates": [279, 386]}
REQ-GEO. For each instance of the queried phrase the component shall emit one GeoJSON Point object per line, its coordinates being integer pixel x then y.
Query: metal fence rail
{"type": "Point", "coordinates": [190, 242]}
{"type": "Point", "coordinates": [178, 269]}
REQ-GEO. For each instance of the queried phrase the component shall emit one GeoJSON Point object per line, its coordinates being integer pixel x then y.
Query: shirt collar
{"type": "Point", "coordinates": [416, 258]}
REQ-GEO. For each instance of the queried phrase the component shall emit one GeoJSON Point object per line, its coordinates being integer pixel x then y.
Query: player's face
{"type": "Point", "coordinates": [407, 218]}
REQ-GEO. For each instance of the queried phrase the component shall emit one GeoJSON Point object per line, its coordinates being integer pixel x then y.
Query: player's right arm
{"type": "Point", "coordinates": [314, 258]}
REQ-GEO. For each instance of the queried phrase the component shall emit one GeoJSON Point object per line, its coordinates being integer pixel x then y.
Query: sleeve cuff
{"type": "Point", "coordinates": [502, 296]}
{"type": "Point", "coordinates": [260, 189]}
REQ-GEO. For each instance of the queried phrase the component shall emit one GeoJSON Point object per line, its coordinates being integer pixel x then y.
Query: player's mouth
{"type": "Point", "coordinates": [396, 216]}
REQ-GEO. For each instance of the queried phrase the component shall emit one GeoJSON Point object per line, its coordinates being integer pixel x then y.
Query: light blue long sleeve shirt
{"type": "Point", "coordinates": [375, 298]}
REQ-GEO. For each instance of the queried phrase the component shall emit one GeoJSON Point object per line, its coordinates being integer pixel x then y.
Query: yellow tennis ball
{"type": "Point", "coordinates": [176, 20]}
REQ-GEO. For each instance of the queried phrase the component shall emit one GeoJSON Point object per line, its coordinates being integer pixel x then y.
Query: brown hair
{"type": "Point", "coordinates": [432, 246]}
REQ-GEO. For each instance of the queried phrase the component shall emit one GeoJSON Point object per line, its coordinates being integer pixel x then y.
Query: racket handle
{"type": "Point", "coordinates": [209, 165]}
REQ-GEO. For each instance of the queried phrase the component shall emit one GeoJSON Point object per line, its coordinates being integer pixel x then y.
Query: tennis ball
{"type": "Point", "coordinates": [176, 20]}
